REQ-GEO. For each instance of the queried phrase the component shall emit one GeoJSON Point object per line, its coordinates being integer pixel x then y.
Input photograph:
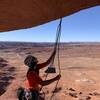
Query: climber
{"type": "Point", "coordinates": [33, 79]}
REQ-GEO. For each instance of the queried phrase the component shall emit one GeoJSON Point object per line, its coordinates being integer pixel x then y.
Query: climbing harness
{"type": "Point", "coordinates": [52, 69]}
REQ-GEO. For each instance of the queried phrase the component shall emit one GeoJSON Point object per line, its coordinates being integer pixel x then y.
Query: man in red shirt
{"type": "Point", "coordinates": [33, 79]}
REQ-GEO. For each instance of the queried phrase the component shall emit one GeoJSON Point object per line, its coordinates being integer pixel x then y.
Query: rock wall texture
{"type": "Point", "coordinates": [19, 14]}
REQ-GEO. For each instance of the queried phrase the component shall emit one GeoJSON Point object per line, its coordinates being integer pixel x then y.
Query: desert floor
{"type": "Point", "coordinates": [80, 68]}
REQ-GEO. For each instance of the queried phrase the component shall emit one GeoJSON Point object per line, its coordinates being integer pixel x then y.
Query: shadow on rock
{"type": "Point", "coordinates": [6, 75]}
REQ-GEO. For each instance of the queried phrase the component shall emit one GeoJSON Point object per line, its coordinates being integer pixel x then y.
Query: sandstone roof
{"type": "Point", "coordinates": [19, 14]}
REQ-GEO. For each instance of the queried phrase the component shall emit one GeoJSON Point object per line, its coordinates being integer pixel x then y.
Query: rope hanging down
{"type": "Point", "coordinates": [57, 45]}
{"type": "Point", "coordinates": [56, 48]}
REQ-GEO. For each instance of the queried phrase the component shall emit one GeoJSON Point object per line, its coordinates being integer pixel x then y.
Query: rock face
{"type": "Point", "coordinates": [18, 14]}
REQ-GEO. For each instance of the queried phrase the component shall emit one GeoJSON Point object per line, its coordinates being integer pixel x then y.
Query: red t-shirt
{"type": "Point", "coordinates": [33, 80]}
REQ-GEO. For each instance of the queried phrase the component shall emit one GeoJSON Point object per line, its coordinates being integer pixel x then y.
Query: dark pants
{"type": "Point", "coordinates": [35, 95]}
{"type": "Point", "coordinates": [24, 94]}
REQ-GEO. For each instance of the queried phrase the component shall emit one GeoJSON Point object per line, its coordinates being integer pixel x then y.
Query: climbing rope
{"type": "Point", "coordinates": [57, 43]}
{"type": "Point", "coordinates": [56, 48]}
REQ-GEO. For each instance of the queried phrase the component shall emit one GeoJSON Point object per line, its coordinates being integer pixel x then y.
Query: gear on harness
{"type": "Point", "coordinates": [51, 70]}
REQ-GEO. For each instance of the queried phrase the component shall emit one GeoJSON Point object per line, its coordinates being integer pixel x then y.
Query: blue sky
{"type": "Point", "coordinates": [83, 26]}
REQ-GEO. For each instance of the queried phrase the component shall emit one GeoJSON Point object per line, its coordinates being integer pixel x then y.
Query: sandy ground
{"type": "Point", "coordinates": [80, 68]}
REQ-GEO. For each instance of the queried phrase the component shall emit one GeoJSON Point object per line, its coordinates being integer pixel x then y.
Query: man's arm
{"type": "Point", "coordinates": [47, 82]}
{"type": "Point", "coordinates": [42, 65]}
